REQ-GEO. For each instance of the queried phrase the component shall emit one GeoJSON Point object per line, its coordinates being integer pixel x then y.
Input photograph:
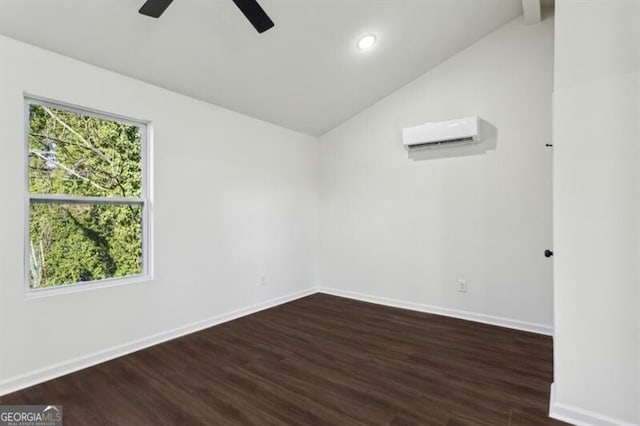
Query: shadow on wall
{"type": "Point", "coordinates": [488, 142]}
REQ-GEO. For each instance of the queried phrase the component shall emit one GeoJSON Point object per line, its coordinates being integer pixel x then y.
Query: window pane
{"type": "Point", "coordinates": [71, 243]}
{"type": "Point", "coordinates": [76, 154]}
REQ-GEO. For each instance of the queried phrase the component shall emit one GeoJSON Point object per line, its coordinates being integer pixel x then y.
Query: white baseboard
{"type": "Point", "coordinates": [559, 411]}
{"type": "Point", "coordinates": [578, 416]}
{"type": "Point", "coordinates": [51, 372]}
{"type": "Point", "coordinates": [470, 316]}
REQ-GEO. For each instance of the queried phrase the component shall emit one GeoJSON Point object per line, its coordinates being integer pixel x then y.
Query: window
{"type": "Point", "coordinates": [87, 197]}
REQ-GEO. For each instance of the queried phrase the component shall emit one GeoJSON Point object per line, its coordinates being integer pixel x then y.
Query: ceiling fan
{"type": "Point", "coordinates": [251, 9]}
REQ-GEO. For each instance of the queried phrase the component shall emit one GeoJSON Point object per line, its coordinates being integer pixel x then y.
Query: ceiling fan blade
{"type": "Point", "coordinates": [154, 8]}
{"type": "Point", "coordinates": [255, 14]}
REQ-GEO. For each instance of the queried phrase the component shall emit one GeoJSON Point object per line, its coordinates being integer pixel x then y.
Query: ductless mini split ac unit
{"type": "Point", "coordinates": [440, 134]}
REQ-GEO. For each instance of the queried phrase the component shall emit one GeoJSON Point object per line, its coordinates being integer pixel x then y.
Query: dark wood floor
{"type": "Point", "coordinates": [321, 360]}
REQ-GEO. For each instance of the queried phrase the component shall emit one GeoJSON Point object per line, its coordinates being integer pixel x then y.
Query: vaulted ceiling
{"type": "Point", "coordinates": [305, 73]}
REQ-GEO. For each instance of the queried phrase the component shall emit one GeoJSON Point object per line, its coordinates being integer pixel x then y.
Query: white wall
{"type": "Point", "coordinates": [597, 212]}
{"type": "Point", "coordinates": [406, 229]}
{"type": "Point", "coordinates": [234, 197]}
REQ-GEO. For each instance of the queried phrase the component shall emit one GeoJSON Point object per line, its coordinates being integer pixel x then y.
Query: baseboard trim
{"type": "Point", "coordinates": [454, 313]}
{"type": "Point", "coordinates": [578, 416]}
{"type": "Point", "coordinates": [51, 372]}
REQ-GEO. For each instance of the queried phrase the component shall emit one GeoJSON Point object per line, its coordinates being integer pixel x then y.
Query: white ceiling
{"type": "Point", "coordinates": [305, 74]}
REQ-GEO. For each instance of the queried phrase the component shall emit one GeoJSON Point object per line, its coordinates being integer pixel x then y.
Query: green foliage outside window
{"type": "Point", "coordinates": [82, 155]}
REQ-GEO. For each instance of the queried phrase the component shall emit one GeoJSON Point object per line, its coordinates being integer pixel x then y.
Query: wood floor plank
{"type": "Point", "coordinates": [320, 360]}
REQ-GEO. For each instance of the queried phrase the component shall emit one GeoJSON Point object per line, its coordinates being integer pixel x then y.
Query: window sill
{"type": "Point", "coordinates": [85, 286]}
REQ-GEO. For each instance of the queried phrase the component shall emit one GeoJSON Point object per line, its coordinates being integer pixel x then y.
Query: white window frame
{"type": "Point", "coordinates": [144, 200]}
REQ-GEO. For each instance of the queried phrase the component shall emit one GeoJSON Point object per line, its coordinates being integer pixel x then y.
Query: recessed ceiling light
{"type": "Point", "coordinates": [366, 42]}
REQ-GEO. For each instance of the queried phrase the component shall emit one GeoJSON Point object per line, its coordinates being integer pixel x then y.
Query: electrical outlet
{"type": "Point", "coordinates": [462, 286]}
{"type": "Point", "coordinates": [263, 280]}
